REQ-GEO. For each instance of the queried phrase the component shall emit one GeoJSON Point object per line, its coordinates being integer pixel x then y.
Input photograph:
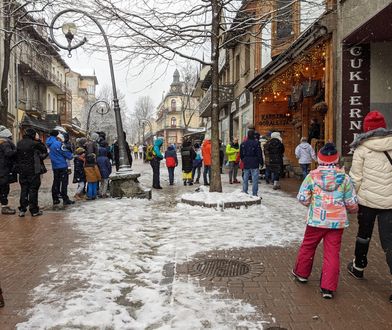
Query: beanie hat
{"type": "Point", "coordinates": [5, 132]}
{"type": "Point", "coordinates": [374, 120]}
{"type": "Point", "coordinates": [30, 132]}
{"type": "Point", "coordinates": [276, 135]}
{"type": "Point", "coordinates": [79, 151]}
{"type": "Point", "coordinates": [328, 155]}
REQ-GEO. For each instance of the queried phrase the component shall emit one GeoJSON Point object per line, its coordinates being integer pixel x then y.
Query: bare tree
{"type": "Point", "coordinates": [188, 104]}
{"type": "Point", "coordinates": [106, 122]}
{"type": "Point", "coordinates": [142, 115]}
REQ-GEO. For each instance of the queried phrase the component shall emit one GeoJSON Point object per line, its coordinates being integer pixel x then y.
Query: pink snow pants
{"type": "Point", "coordinates": [332, 239]}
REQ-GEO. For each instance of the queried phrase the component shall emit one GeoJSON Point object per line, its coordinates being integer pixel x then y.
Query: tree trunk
{"type": "Point", "coordinates": [216, 183]}
{"type": "Point", "coordinates": [4, 76]}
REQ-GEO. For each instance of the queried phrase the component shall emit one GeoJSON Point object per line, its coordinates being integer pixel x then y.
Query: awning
{"type": "Point", "coordinates": [378, 28]}
{"type": "Point", "coordinates": [44, 125]}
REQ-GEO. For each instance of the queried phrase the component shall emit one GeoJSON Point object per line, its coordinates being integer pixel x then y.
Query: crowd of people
{"type": "Point", "coordinates": [328, 192]}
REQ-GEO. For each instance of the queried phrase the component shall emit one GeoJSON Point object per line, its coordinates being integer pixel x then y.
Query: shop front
{"type": "Point", "coordinates": [366, 71]}
{"type": "Point", "coordinates": [293, 96]}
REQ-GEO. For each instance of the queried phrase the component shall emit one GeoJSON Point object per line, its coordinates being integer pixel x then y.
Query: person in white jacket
{"type": "Point", "coordinates": [305, 154]}
{"type": "Point", "coordinates": [371, 172]}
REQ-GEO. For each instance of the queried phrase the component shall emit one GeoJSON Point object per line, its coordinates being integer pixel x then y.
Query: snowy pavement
{"type": "Point", "coordinates": [114, 279]}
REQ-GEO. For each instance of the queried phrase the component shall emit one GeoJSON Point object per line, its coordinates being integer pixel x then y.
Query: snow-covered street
{"type": "Point", "coordinates": [132, 264]}
{"type": "Point", "coordinates": [116, 273]}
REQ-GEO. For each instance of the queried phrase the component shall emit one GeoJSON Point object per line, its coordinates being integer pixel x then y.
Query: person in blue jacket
{"type": "Point", "coordinates": [59, 155]}
{"type": "Point", "coordinates": [155, 163]}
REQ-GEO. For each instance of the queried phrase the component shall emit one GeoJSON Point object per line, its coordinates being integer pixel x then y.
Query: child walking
{"type": "Point", "coordinates": [187, 157]}
{"type": "Point", "coordinates": [105, 168]}
{"type": "Point", "coordinates": [93, 176]}
{"type": "Point", "coordinates": [329, 193]}
{"type": "Point", "coordinates": [171, 162]}
{"type": "Point", "coordinates": [197, 164]}
{"type": "Point", "coordinates": [79, 176]}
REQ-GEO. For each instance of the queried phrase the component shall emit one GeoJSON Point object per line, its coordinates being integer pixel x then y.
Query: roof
{"type": "Point", "coordinates": [309, 37]}
{"type": "Point", "coordinates": [45, 125]}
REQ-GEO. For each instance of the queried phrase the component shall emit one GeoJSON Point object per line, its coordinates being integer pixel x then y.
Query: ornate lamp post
{"type": "Point", "coordinates": [124, 181]}
{"type": "Point", "coordinates": [101, 110]}
{"type": "Point", "coordinates": [70, 30]}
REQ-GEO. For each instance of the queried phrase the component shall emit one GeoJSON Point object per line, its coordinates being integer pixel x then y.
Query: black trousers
{"type": "Point", "coordinates": [60, 185]}
{"type": "Point", "coordinates": [155, 173]}
{"type": "Point", "coordinates": [29, 187]}
{"type": "Point", "coordinates": [4, 191]}
{"type": "Point", "coordinates": [366, 219]}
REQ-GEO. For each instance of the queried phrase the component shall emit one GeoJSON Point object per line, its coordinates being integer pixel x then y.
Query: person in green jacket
{"type": "Point", "coordinates": [232, 151]}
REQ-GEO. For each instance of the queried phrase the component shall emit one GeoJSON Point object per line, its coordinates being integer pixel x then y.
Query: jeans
{"type": "Point", "coordinates": [29, 186]}
{"type": "Point", "coordinates": [233, 170]}
{"type": "Point", "coordinates": [332, 239]}
{"type": "Point", "coordinates": [4, 191]}
{"type": "Point", "coordinates": [155, 173]}
{"type": "Point", "coordinates": [207, 171]}
{"type": "Point", "coordinates": [60, 185]}
{"type": "Point", "coordinates": [366, 218]}
{"type": "Point", "coordinates": [196, 170]}
{"type": "Point", "coordinates": [92, 188]}
{"type": "Point", "coordinates": [254, 173]}
{"type": "Point", "coordinates": [304, 169]}
{"type": "Point", "coordinates": [171, 175]}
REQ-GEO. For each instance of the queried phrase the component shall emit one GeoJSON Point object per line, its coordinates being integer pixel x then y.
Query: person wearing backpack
{"type": "Point", "coordinates": [187, 157]}
{"type": "Point", "coordinates": [371, 172]}
{"type": "Point", "coordinates": [171, 162]}
{"type": "Point", "coordinates": [155, 162]}
{"type": "Point", "coordinates": [197, 163]}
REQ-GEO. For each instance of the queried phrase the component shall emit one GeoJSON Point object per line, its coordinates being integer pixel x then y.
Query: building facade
{"type": "Point", "coordinates": [177, 113]}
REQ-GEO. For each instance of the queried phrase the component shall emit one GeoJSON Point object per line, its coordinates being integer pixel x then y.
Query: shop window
{"type": "Point", "coordinates": [173, 122]}
{"type": "Point", "coordinates": [173, 105]}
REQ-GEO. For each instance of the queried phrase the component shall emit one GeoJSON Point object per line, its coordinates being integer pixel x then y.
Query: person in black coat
{"type": "Point", "coordinates": [188, 154]}
{"type": "Point", "coordinates": [116, 152]}
{"type": "Point", "coordinates": [79, 175]}
{"type": "Point", "coordinates": [30, 153]}
{"type": "Point", "coordinates": [274, 150]}
{"type": "Point", "coordinates": [252, 158]}
{"type": "Point", "coordinates": [7, 159]}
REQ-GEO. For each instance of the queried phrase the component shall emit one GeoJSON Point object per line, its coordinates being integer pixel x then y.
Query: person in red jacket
{"type": "Point", "coordinates": [171, 162]}
{"type": "Point", "coordinates": [206, 153]}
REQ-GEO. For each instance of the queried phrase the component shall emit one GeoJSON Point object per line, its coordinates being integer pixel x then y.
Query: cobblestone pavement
{"type": "Point", "coordinates": [29, 245]}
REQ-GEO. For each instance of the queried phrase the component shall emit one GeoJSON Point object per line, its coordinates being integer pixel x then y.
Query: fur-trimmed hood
{"type": "Point", "coordinates": [379, 140]}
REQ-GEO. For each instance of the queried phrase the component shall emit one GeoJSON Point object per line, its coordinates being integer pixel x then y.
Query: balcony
{"type": "Point", "coordinates": [30, 105]}
{"type": "Point", "coordinates": [226, 96]}
{"type": "Point", "coordinates": [40, 72]}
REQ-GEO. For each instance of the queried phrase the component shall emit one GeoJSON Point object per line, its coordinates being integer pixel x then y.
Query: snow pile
{"type": "Point", "coordinates": [203, 195]}
{"type": "Point", "coordinates": [115, 280]}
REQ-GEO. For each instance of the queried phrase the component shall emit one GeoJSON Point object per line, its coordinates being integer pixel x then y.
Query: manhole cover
{"type": "Point", "coordinates": [222, 267]}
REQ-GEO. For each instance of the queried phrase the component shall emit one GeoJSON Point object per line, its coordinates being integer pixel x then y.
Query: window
{"type": "Point", "coordinates": [284, 20]}
{"type": "Point", "coordinates": [173, 105]}
{"type": "Point", "coordinates": [237, 68]}
{"type": "Point", "coordinates": [48, 103]}
{"type": "Point", "coordinates": [54, 104]}
{"type": "Point", "coordinates": [173, 122]}
{"type": "Point", "coordinates": [247, 57]}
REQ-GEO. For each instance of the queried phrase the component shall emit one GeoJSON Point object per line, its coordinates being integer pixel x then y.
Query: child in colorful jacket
{"type": "Point", "coordinates": [329, 193]}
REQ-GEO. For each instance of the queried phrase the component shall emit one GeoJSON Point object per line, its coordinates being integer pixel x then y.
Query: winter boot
{"type": "Point", "coordinates": [7, 210]}
{"type": "Point", "coordinates": [299, 278]}
{"type": "Point", "coordinates": [276, 185]}
{"type": "Point", "coordinates": [354, 270]}
{"type": "Point", "coordinates": [326, 294]}
{"type": "Point", "coordinates": [37, 214]}
{"type": "Point", "coordinates": [184, 182]}
{"type": "Point", "coordinates": [68, 202]}
{"type": "Point", "coordinates": [1, 299]}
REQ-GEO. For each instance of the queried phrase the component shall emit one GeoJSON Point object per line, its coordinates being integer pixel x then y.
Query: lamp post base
{"type": "Point", "coordinates": [126, 184]}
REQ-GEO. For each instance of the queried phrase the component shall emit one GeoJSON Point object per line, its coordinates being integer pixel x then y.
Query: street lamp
{"type": "Point", "coordinates": [143, 121]}
{"type": "Point", "coordinates": [70, 30]}
{"type": "Point", "coordinates": [102, 110]}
